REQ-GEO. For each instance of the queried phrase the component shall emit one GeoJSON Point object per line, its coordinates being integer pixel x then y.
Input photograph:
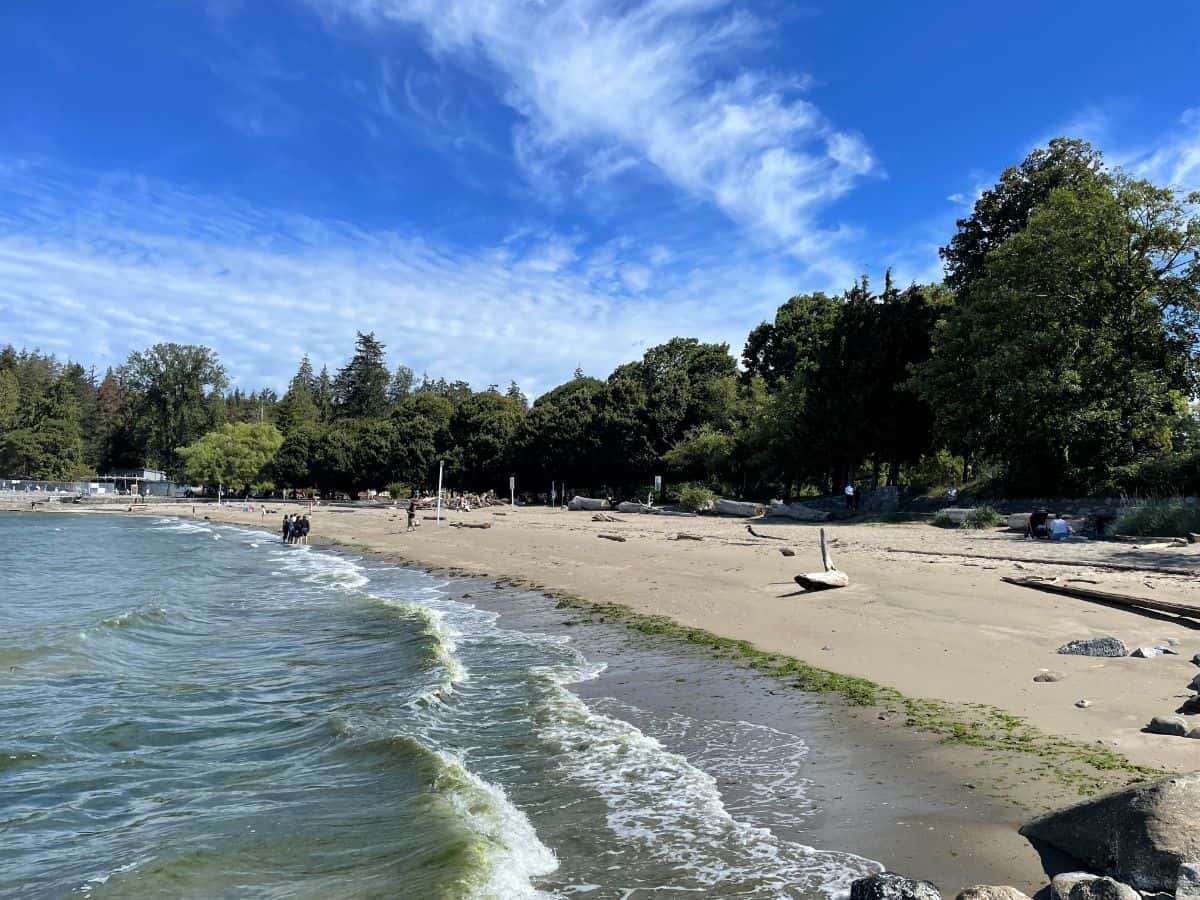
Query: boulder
{"type": "Point", "coordinates": [1048, 677]}
{"type": "Point", "coordinates": [1146, 652]}
{"type": "Point", "coordinates": [1061, 885]}
{"type": "Point", "coordinates": [890, 886]}
{"type": "Point", "coordinates": [1173, 725]}
{"type": "Point", "coordinates": [1187, 884]}
{"type": "Point", "coordinates": [589, 503]}
{"type": "Point", "coordinates": [991, 892]}
{"type": "Point", "coordinates": [1195, 684]}
{"type": "Point", "coordinates": [1196, 659]}
{"type": "Point", "coordinates": [1103, 646]}
{"type": "Point", "coordinates": [1102, 889]}
{"type": "Point", "coordinates": [954, 514]}
{"type": "Point", "coordinates": [737, 508]}
{"type": "Point", "coordinates": [797, 511]}
{"type": "Point", "coordinates": [1190, 706]}
{"type": "Point", "coordinates": [1139, 835]}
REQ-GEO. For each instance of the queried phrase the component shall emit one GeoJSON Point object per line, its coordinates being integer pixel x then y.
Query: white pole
{"type": "Point", "coordinates": [512, 491]}
{"type": "Point", "coordinates": [218, 493]}
{"type": "Point", "coordinates": [441, 465]}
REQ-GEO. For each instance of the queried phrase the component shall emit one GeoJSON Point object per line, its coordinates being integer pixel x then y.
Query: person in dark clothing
{"type": "Point", "coordinates": [304, 529]}
{"type": "Point", "coordinates": [1037, 527]}
{"type": "Point", "coordinates": [285, 532]}
{"type": "Point", "coordinates": [412, 515]}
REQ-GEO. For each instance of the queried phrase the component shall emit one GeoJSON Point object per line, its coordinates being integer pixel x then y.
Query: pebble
{"type": "Point", "coordinates": [1083, 704]}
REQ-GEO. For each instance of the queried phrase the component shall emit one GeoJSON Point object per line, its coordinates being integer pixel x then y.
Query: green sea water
{"type": "Point", "coordinates": [191, 710]}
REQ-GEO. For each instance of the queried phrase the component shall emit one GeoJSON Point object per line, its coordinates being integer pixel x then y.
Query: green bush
{"type": "Point", "coordinates": [399, 491]}
{"type": "Point", "coordinates": [696, 497]}
{"type": "Point", "coordinates": [983, 517]}
{"type": "Point", "coordinates": [1166, 517]}
{"type": "Point", "coordinates": [942, 520]}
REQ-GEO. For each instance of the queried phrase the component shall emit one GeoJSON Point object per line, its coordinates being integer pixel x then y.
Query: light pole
{"type": "Point", "coordinates": [441, 467]}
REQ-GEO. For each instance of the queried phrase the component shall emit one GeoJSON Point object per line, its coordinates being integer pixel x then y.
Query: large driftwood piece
{"type": "Point", "coordinates": [1180, 609]}
{"type": "Point", "coordinates": [738, 508]}
{"type": "Point", "coordinates": [470, 524]}
{"type": "Point", "coordinates": [612, 537]}
{"type": "Point", "coordinates": [823, 581]}
{"type": "Point", "coordinates": [588, 503]}
{"type": "Point", "coordinates": [684, 536]}
{"type": "Point", "coordinates": [605, 517]}
{"type": "Point", "coordinates": [1085, 564]}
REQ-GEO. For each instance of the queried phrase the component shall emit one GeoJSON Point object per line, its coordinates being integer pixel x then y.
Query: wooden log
{"type": "Point", "coordinates": [605, 517]}
{"type": "Point", "coordinates": [768, 537]}
{"type": "Point", "coordinates": [823, 581]}
{"type": "Point", "coordinates": [612, 537]}
{"type": "Point", "coordinates": [470, 524]}
{"type": "Point", "coordinates": [684, 536]}
{"type": "Point", "coordinates": [1180, 609]}
{"type": "Point", "coordinates": [1085, 564]}
{"type": "Point", "coordinates": [1193, 538]}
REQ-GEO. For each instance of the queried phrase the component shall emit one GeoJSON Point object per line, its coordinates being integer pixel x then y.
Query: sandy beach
{"type": "Point", "coordinates": [933, 626]}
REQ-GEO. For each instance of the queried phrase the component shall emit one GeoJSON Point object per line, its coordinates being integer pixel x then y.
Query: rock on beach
{"type": "Point", "coordinates": [890, 886]}
{"type": "Point", "coordinates": [1102, 646]}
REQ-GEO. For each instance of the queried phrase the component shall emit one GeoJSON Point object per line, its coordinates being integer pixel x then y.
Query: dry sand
{"type": "Point", "coordinates": [925, 623]}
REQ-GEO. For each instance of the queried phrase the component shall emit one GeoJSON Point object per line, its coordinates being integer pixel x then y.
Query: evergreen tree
{"type": "Point", "coordinates": [361, 388]}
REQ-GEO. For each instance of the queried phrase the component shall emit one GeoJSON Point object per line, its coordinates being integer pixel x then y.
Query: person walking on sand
{"type": "Point", "coordinates": [848, 490]}
{"type": "Point", "coordinates": [412, 515]}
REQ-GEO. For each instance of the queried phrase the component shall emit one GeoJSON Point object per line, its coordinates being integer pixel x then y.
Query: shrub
{"type": "Point", "coordinates": [399, 491]}
{"type": "Point", "coordinates": [696, 497]}
{"type": "Point", "coordinates": [942, 520]}
{"type": "Point", "coordinates": [1166, 517]}
{"type": "Point", "coordinates": [983, 517]}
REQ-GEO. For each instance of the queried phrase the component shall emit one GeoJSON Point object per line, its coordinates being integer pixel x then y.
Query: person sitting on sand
{"type": "Point", "coordinates": [1059, 529]}
{"type": "Point", "coordinates": [412, 515]}
{"type": "Point", "coordinates": [1037, 527]}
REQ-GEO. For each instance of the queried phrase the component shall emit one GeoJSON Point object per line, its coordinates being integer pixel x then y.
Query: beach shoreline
{"type": "Point", "coordinates": [735, 588]}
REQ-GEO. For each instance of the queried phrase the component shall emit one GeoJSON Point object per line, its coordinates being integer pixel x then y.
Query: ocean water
{"type": "Point", "coordinates": [192, 710]}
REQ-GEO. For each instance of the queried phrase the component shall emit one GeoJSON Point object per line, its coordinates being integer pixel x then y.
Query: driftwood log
{"type": "Point", "coordinates": [604, 517]}
{"type": "Point", "coordinates": [470, 524]}
{"type": "Point", "coordinates": [1180, 609]}
{"type": "Point", "coordinates": [1193, 538]}
{"type": "Point", "coordinates": [768, 537]}
{"type": "Point", "coordinates": [823, 581]}
{"type": "Point", "coordinates": [684, 536]}
{"type": "Point", "coordinates": [612, 537]}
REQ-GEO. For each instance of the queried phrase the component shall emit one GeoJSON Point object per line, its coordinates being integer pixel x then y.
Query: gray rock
{"type": "Point", "coordinates": [890, 886]}
{"type": "Point", "coordinates": [1196, 659]}
{"type": "Point", "coordinates": [1083, 704]}
{"type": "Point", "coordinates": [1061, 885]}
{"type": "Point", "coordinates": [1195, 685]}
{"type": "Point", "coordinates": [1103, 889]}
{"type": "Point", "coordinates": [1167, 649]}
{"type": "Point", "coordinates": [1191, 706]}
{"type": "Point", "coordinates": [1104, 646]}
{"type": "Point", "coordinates": [1050, 677]}
{"type": "Point", "coordinates": [1173, 725]}
{"type": "Point", "coordinates": [1139, 835]}
{"type": "Point", "coordinates": [1187, 885]}
{"type": "Point", "coordinates": [1171, 642]}
{"type": "Point", "coordinates": [1194, 733]}
{"type": "Point", "coordinates": [991, 892]}
{"type": "Point", "coordinates": [1146, 652]}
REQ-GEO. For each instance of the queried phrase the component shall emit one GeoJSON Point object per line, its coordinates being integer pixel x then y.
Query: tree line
{"type": "Point", "coordinates": [1059, 355]}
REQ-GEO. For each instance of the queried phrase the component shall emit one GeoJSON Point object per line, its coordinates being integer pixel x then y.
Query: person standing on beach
{"type": "Point", "coordinates": [285, 531]}
{"type": "Point", "coordinates": [412, 515]}
{"type": "Point", "coordinates": [304, 529]}
{"type": "Point", "coordinates": [848, 490]}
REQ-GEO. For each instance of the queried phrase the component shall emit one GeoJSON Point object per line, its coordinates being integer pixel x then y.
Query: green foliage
{"type": "Point", "coordinates": [981, 517]}
{"type": "Point", "coordinates": [234, 456]}
{"type": "Point", "coordinates": [696, 497]}
{"type": "Point", "coordinates": [1165, 517]}
{"type": "Point", "coordinates": [399, 490]}
{"type": "Point", "coordinates": [360, 390]}
{"type": "Point", "coordinates": [941, 519]}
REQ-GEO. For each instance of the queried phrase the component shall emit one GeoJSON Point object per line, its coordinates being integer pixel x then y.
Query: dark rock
{"type": "Point", "coordinates": [1146, 652]}
{"type": "Point", "coordinates": [1195, 685]}
{"type": "Point", "coordinates": [1191, 706]}
{"type": "Point", "coordinates": [1102, 889]}
{"type": "Point", "coordinates": [1105, 646]}
{"type": "Point", "coordinates": [1173, 725]}
{"type": "Point", "coordinates": [1139, 835]}
{"type": "Point", "coordinates": [1194, 733]}
{"type": "Point", "coordinates": [890, 886]}
{"type": "Point", "coordinates": [1048, 677]}
{"type": "Point", "coordinates": [1196, 659]}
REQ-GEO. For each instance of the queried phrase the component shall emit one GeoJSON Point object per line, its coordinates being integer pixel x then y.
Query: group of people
{"type": "Point", "coordinates": [295, 529]}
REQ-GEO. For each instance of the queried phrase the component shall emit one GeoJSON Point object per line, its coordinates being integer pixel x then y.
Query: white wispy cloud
{"type": "Point", "coordinates": [601, 88]}
{"type": "Point", "coordinates": [1174, 161]}
{"type": "Point", "coordinates": [95, 265]}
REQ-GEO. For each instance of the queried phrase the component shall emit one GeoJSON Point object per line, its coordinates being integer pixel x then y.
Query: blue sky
{"type": "Point", "coordinates": [509, 189]}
